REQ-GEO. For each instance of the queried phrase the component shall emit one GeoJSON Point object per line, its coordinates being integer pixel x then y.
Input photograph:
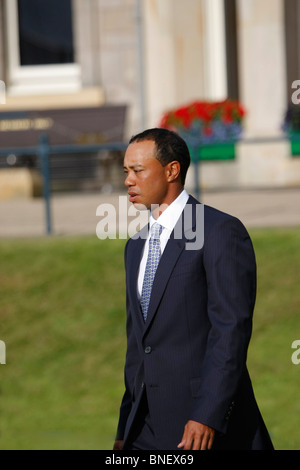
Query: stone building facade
{"type": "Point", "coordinates": [153, 55]}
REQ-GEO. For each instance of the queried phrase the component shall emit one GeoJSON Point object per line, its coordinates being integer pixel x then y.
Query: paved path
{"type": "Point", "coordinates": [75, 214]}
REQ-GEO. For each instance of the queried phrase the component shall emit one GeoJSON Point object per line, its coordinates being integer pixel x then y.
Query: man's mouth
{"type": "Point", "coordinates": [132, 196]}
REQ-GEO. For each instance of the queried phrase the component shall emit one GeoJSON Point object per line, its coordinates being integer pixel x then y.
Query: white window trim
{"type": "Point", "coordinates": [39, 79]}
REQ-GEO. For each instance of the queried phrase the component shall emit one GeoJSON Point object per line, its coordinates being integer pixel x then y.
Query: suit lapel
{"type": "Point", "coordinates": [133, 264]}
{"type": "Point", "coordinates": [180, 236]}
{"type": "Point", "coordinates": [173, 250]}
{"type": "Point", "coordinates": [168, 260]}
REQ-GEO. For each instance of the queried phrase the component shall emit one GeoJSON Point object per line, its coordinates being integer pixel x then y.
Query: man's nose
{"type": "Point", "coordinates": [129, 180]}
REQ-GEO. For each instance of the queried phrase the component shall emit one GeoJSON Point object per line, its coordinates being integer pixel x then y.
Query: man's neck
{"type": "Point", "coordinates": [157, 211]}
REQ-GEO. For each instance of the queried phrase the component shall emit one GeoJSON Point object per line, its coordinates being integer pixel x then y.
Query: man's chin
{"type": "Point", "coordinates": [139, 206]}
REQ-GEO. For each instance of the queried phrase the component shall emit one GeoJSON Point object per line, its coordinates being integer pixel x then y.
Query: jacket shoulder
{"type": "Point", "coordinates": [214, 217]}
{"type": "Point", "coordinates": [212, 214]}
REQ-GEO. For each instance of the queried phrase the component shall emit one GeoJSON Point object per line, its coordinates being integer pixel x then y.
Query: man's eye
{"type": "Point", "coordinates": [126, 172]}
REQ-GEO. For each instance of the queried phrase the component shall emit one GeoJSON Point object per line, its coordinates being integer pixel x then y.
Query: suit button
{"type": "Point", "coordinates": [148, 350]}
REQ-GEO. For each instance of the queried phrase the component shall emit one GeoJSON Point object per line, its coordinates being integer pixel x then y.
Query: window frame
{"type": "Point", "coordinates": [35, 79]}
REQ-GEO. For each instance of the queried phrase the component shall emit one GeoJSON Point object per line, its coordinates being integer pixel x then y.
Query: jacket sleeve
{"type": "Point", "coordinates": [231, 285]}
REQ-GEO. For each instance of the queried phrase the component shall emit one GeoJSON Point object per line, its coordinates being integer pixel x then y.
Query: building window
{"type": "Point", "coordinates": [45, 32]}
{"type": "Point", "coordinates": [40, 47]}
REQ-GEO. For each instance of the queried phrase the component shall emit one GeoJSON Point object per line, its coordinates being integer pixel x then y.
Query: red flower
{"type": "Point", "coordinates": [183, 115]}
{"type": "Point", "coordinates": [207, 112]}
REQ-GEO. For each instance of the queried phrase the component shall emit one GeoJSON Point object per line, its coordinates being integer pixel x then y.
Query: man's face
{"type": "Point", "coordinates": [146, 178]}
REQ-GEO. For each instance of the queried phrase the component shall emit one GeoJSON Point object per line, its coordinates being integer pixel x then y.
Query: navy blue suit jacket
{"type": "Point", "coordinates": [190, 355]}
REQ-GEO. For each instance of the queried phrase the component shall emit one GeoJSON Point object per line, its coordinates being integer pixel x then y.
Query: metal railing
{"type": "Point", "coordinates": [44, 150]}
{"type": "Point", "coordinates": [248, 140]}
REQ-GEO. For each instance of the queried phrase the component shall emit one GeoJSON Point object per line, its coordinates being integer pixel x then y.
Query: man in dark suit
{"type": "Point", "coordinates": [188, 330]}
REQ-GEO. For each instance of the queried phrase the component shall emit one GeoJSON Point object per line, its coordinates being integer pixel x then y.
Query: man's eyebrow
{"type": "Point", "coordinates": [137, 165]}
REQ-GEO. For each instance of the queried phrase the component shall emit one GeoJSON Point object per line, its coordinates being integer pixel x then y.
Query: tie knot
{"type": "Point", "coordinates": [156, 231]}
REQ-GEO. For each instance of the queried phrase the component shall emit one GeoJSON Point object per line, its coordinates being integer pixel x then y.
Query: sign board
{"type": "Point", "coordinates": [63, 126]}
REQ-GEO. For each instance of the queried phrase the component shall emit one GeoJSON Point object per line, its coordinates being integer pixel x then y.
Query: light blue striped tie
{"type": "Point", "coordinates": [154, 255]}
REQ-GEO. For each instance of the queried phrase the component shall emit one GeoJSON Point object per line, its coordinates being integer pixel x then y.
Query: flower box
{"type": "Point", "coordinates": [294, 138]}
{"type": "Point", "coordinates": [291, 127]}
{"type": "Point", "coordinates": [295, 147]}
{"type": "Point", "coordinates": [225, 151]}
{"type": "Point", "coordinates": [210, 129]}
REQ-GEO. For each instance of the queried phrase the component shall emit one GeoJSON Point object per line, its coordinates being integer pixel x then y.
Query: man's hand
{"type": "Point", "coordinates": [118, 445]}
{"type": "Point", "coordinates": [197, 436]}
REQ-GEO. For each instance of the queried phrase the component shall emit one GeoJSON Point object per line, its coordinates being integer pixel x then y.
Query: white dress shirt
{"type": "Point", "coordinates": [168, 220]}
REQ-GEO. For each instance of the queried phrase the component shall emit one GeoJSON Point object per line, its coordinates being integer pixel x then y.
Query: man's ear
{"type": "Point", "coordinates": [173, 171]}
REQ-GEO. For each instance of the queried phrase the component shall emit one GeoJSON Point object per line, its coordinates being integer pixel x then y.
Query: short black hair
{"type": "Point", "coordinates": [169, 147]}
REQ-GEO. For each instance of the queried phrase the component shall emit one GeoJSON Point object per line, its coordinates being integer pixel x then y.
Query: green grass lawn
{"type": "Point", "coordinates": [62, 318]}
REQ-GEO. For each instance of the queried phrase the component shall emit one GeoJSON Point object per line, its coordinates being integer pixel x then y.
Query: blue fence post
{"type": "Point", "coordinates": [196, 157]}
{"type": "Point", "coordinates": [43, 151]}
